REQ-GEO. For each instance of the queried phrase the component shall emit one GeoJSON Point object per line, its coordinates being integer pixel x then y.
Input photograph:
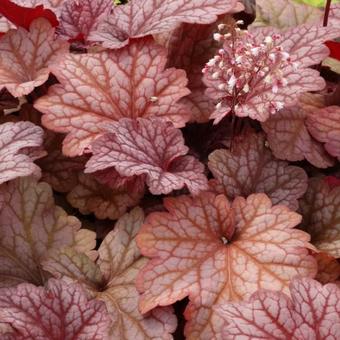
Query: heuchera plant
{"type": "Point", "coordinates": [169, 169]}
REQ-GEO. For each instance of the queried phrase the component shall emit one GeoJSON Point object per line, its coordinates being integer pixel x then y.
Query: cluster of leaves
{"type": "Point", "coordinates": [153, 151]}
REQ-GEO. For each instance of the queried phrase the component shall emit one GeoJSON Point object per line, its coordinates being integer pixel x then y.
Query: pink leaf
{"type": "Point", "coordinates": [59, 311]}
{"type": "Point", "coordinates": [111, 279]}
{"type": "Point", "coordinates": [139, 18]}
{"type": "Point", "coordinates": [324, 125]}
{"type": "Point", "coordinates": [313, 312]}
{"type": "Point", "coordinates": [212, 252]}
{"type": "Point", "coordinates": [26, 57]}
{"type": "Point", "coordinates": [269, 75]}
{"type": "Point", "coordinates": [131, 82]}
{"type": "Point", "coordinates": [80, 18]}
{"type": "Point", "coordinates": [190, 47]}
{"type": "Point", "coordinates": [250, 167]}
{"type": "Point", "coordinates": [30, 226]}
{"type": "Point", "coordinates": [150, 147]}
{"type": "Point", "coordinates": [289, 138]}
{"type": "Point", "coordinates": [16, 140]}
{"type": "Point", "coordinates": [320, 208]}
{"type": "Point", "coordinates": [89, 196]}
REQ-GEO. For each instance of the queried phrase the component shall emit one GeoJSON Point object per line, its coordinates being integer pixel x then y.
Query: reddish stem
{"type": "Point", "coordinates": [327, 10]}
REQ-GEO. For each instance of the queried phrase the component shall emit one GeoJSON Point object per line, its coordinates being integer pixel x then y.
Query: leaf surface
{"type": "Point", "coordinates": [89, 196]}
{"type": "Point", "coordinates": [324, 125]}
{"type": "Point", "coordinates": [57, 311]}
{"type": "Point", "coordinates": [31, 226]}
{"type": "Point", "coordinates": [289, 138]}
{"type": "Point", "coordinates": [320, 208]}
{"type": "Point", "coordinates": [250, 167]}
{"type": "Point", "coordinates": [111, 279]}
{"type": "Point", "coordinates": [212, 252]}
{"type": "Point", "coordinates": [139, 18]}
{"type": "Point", "coordinates": [79, 18]}
{"type": "Point", "coordinates": [150, 147]}
{"type": "Point", "coordinates": [15, 138]}
{"type": "Point", "coordinates": [26, 57]}
{"type": "Point", "coordinates": [313, 312]}
{"type": "Point", "coordinates": [22, 16]}
{"type": "Point", "coordinates": [131, 82]}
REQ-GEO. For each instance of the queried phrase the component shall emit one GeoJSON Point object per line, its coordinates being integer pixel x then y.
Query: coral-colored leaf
{"type": "Point", "coordinates": [321, 216]}
{"type": "Point", "coordinates": [213, 252]}
{"type": "Point", "coordinates": [140, 18]}
{"type": "Point", "coordinates": [26, 57]}
{"type": "Point", "coordinates": [31, 226]}
{"type": "Point", "coordinates": [111, 279]}
{"type": "Point", "coordinates": [130, 83]}
{"type": "Point", "coordinates": [89, 196]}
{"type": "Point", "coordinates": [16, 139]}
{"type": "Point", "coordinates": [324, 125]}
{"type": "Point", "coordinates": [80, 18]}
{"type": "Point", "coordinates": [24, 16]}
{"type": "Point", "coordinates": [250, 168]}
{"type": "Point", "coordinates": [313, 312]}
{"type": "Point", "coordinates": [285, 13]}
{"type": "Point", "coordinates": [59, 311]}
{"type": "Point", "coordinates": [289, 138]}
{"type": "Point", "coordinates": [150, 147]}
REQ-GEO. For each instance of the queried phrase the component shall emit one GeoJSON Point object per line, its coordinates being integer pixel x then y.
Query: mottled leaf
{"type": "Point", "coordinates": [320, 208]}
{"type": "Point", "coordinates": [289, 138]}
{"type": "Point", "coordinates": [26, 57]}
{"type": "Point", "coordinates": [313, 312]}
{"type": "Point", "coordinates": [17, 140]}
{"type": "Point", "coordinates": [79, 18]}
{"type": "Point", "coordinates": [89, 196]}
{"type": "Point", "coordinates": [285, 13]}
{"type": "Point", "coordinates": [130, 83]}
{"type": "Point", "coordinates": [111, 279]}
{"type": "Point", "coordinates": [59, 311]}
{"type": "Point", "coordinates": [31, 226]}
{"type": "Point", "coordinates": [139, 18]}
{"type": "Point", "coordinates": [150, 147]}
{"type": "Point", "coordinates": [324, 125]}
{"type": "Point", "coordinates": [215, 253]}
{"type": "Point", "coordinates": [250, 168]}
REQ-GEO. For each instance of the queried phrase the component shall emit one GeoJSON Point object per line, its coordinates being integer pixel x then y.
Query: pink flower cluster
{"type": "Point", "coordinates": [242, 66]}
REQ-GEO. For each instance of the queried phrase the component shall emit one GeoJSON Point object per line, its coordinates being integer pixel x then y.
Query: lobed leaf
{"type": "Point", "coordinates": [150, 147]}
{"type": "Point", "coordinates": [78, 19]}
{"type": "Point", "coordinates": [320, 208]}
{"type": "Point", "coordinates": [17, 143]}
{"type": "Point", "coordinates": [131, 82]}
{"type": "Point", "coordinates": [31, 226]}
{"type": "Point", "coordinates": [26, 57]}
{"type": "Point", "coordinates": [89, 196]}
{"type": "Point", "coordinates": [324, 126]}
{"type": "Point", "coordinates": [312, 312]}
{"type": "Point", "coordinates": [215, 253]}
{"type": "Point", "coordinates": [57, 311]}
{"type": "Point", "coordinates": [250, 168]}
{"type": "Point", "coordinates": [289, 138]}
{"type": "Point", "coordinates": [139, 18]}
{"type": "Point", "coordinates": [111, 279]}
